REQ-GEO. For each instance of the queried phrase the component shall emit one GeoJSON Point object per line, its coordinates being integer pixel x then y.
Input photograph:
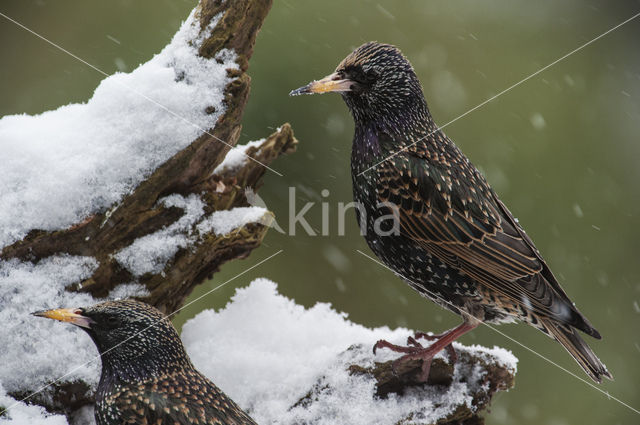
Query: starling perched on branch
{"type": "Point", "coordinates": [147, 377]}
{"type": "Point", "coordinates": [451, 238]}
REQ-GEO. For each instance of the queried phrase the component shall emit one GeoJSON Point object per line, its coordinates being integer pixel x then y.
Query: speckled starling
{"type": "Point", "coordinates": [451, 239]}
{"type": "Point", "coordinates": [147, 377]}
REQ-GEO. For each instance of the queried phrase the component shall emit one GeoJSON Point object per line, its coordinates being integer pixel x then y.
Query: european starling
{"type": "Point", "coordinates": [147, 377]}
{"type": "Point", "coordinates": [450, 237]}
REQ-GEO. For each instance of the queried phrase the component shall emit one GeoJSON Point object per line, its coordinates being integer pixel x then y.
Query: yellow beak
{"type": "Point", "coordinates": [330, 83]}
{"type": "Point", "coordinates": [71, 315]}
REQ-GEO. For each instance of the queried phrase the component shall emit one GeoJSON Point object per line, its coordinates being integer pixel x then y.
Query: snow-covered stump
{"type": "Point", "coordinates": [289, 365]}
{"type": "Point", "coordinates": [128, 194]}
{"type": "Point", "coordinates": [465, 389]}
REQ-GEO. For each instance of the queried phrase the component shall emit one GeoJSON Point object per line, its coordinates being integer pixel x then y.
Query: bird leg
{"type": "Point", "coordinates": [453, 356]}
{"type": "Point", "coordinates": [416, 351]}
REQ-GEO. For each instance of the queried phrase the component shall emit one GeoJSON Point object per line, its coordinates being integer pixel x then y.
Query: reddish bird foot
{"type": "Point", "coordinates": [415, 350]}
{"type": "Point", "coordinates": [453, 356]}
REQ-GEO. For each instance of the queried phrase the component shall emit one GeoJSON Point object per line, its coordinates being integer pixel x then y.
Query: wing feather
{"type": "Point", "coordinates": [179, 399]}
{"type": "Point", "coordinates": [453, 213]}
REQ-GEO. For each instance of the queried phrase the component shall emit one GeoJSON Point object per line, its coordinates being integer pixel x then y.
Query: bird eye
{"type": "Point", "coordinates": [112, 321]}
{"type": "Point", "coordinates": [361, 77]}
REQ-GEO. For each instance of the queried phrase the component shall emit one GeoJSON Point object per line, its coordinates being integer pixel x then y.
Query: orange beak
{"type": "Point", "coordinates": [330, 83]}
{"type": "Point", "coordinates": [71, 315]}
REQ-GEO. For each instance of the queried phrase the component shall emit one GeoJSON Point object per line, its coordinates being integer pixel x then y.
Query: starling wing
{"type": "Point", "coordinates": [446, 206]}
{"type": "Point", "coordinates": [179, 399]}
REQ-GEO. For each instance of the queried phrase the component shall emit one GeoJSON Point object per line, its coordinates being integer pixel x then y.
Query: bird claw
{"type": "Point", "coordinates": [453, 356]}
{"type": "Point", "coordinates": [411, 341]}
{"type": "Point", "coordinates": [393, 347]}
{"type": "Point", "coordinates": [428, 337]}
{"type": "Point", "coordinates": [415, 352]}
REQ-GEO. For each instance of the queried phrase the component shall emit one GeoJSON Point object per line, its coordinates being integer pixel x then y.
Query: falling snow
{"type": "Point", "coordinates": [537, 121]}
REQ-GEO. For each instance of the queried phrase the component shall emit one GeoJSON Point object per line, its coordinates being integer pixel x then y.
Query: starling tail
{"type": "Point", "coordinates": [579, 350]}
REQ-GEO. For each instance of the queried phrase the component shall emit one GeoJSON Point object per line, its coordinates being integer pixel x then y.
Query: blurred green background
{"type": "Point", "coordinates": [562, 150]}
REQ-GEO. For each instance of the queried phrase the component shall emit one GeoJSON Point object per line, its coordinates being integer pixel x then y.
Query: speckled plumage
{"type": "Point", "coordinates": [147, 377]}
{"type": "Point", "coordinates": [456, 242]}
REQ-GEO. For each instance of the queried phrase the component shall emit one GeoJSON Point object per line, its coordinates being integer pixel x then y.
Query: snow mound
{"type": "Point", "coordinates": [38, 351]}
{"type": "Point", "coordinates": [268, 353]}
{"type": "Point", "coordinates": [82, 158]}
{"type": "Point", "coordinates": [23, 414]}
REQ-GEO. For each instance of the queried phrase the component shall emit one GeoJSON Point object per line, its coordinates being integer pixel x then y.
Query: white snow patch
{"type": "Point", "coordinates": [150, 253]}
{"type": "Point", "coordinates": [223, 222]}
{"type": "Point", "coordinates": [38, 351]}
{"type": "Point", "coordinates": [24, 414]}
{"type": "Point", "coordinates": [128, 290]}
{"type": "Point", "coordinates": [496, 354]}
{"type": "Point", "coordinates": [236, 157]}
{"type": "Point", "coordinates": [83, 158]}
{"type": "Point", "coordinates": [266, 352]}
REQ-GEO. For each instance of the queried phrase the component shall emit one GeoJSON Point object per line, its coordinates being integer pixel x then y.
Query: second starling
{"type": "Point", "coordinates": [451, 238]}
{"type": "Point", "coordinates": [147, 377]}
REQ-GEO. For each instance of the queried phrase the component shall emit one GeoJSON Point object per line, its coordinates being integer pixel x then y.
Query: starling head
{"type": "Point", "coordinates": [379, 86]}
{"type": "Point", "coordinates": [147, 376]}
{"type": "Point", "coordinates": [134, 339]}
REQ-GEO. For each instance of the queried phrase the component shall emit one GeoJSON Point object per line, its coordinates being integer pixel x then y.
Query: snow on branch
{"type": "Point", "coordinates": [123, 196]}
{"type": "Point", "coordinates": [286, 364]}
{"type": "Point", "coordinates": [83, 158]}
